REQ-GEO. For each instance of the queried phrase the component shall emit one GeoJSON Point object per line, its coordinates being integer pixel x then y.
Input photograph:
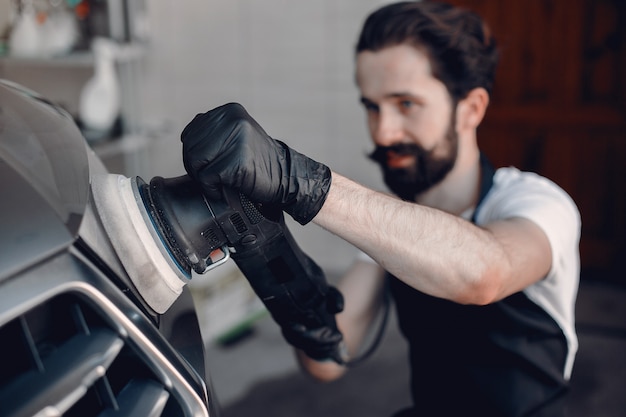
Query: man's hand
{"type": "Point", "coordinates": [321, 343]}
{"type": "Point", "coordinates": [226, 146]}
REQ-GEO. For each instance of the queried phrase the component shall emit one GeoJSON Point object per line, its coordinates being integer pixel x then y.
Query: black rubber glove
{"type": "Point", "coordinates": [226, 146]}
{"type": "Point", "coordinates": [319, 342]}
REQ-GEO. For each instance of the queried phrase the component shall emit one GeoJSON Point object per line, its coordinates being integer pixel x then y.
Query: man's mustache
{"type": "Point", "coordinates": [381, 153]}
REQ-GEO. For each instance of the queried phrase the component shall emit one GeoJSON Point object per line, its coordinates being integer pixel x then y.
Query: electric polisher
{"type": "Point", "coordinates": [164, 229]}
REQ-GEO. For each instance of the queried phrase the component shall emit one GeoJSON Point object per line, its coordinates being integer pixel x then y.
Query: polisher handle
{"type": "Point", "coordinates": [291, 285]}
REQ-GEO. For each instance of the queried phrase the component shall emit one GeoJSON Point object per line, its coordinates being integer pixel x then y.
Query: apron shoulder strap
{"type": "Point", "coordinates": [487, 172]}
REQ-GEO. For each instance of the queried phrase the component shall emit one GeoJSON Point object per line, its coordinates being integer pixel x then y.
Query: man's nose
{"type": "Point", "coordinates": [388, 129]}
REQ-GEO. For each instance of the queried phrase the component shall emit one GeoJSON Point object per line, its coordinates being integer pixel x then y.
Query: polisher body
{"type": "Point", "coordinates": [170, 224]}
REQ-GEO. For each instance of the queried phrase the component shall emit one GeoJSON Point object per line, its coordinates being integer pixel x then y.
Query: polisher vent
{"type": "Point", "coordinates": [211, 237]}
{"type": "Point", "coordinates": [238, 223]}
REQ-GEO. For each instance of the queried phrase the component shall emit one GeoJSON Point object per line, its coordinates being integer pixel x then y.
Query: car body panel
{"type": "Point", "coordinates": [61, 284]}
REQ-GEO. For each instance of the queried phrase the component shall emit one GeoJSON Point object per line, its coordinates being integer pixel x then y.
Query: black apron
{"type": "Point", "coordinates": [502, 359]}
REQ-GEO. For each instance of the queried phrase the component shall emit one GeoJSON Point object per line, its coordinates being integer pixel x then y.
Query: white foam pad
{"type": "Point", "coordinates": [143, 256]}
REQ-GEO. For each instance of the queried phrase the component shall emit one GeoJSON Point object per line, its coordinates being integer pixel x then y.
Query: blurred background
{"type": "Point", "coordinates": [558, 108]}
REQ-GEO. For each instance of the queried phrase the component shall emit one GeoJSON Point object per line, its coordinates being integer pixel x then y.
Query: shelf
{"type": "Point", "coordinates": [124, 53]}
{"type": "Point", "coordinates": [61, 79]}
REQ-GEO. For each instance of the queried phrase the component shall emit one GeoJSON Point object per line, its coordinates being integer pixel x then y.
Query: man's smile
{"type": "Point", "coordinates": [396, 160]}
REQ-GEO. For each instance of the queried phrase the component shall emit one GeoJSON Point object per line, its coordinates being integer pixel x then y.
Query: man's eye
{"type": "Point", "coordinates": [370, 107]}
{"type": "Point", "coordinates": [406, 104]}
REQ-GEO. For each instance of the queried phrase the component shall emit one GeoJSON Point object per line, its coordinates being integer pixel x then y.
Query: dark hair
{"type": "Point", "coordinates": [462, 52]}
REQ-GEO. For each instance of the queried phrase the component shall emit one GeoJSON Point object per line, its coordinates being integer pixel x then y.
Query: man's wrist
{"type": "Point", "coordinates": [313, 180]}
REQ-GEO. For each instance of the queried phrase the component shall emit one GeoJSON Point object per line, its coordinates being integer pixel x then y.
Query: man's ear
{"type": "Point", "coordinates": [471, 110]}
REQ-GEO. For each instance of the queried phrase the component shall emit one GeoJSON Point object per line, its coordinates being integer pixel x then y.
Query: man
{"type": "Point", "coordinates": [482, 265]}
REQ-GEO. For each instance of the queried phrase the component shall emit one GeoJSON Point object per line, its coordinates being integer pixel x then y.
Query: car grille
{"type": "Point", "coordinates": [70, 353]}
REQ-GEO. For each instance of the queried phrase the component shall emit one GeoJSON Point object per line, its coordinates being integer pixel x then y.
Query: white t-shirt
{"type": "Point", "coordinates": [524, 194]}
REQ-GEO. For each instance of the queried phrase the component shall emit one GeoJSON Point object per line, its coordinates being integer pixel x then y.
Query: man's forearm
{"type": "Point", "coordinates": [437, 253]}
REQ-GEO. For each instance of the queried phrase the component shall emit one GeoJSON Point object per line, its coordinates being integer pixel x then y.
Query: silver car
{"type": "Point", "coordinates": [76, 338]}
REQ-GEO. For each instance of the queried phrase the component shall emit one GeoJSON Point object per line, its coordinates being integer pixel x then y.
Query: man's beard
{"type": "Point", "coordinates": [426, 170]}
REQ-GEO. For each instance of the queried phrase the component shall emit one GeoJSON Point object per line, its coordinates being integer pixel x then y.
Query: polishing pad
{"type": "Point", "coordinates": [138, 245]}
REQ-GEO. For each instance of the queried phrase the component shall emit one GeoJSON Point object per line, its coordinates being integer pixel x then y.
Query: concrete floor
{"type": "Point", "coordinates": [259, 375]}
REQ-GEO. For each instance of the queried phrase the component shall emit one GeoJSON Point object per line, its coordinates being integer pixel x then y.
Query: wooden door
{"type": "Point", "coordinates": [559, 109]}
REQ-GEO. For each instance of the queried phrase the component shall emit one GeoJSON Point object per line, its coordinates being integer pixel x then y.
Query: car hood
{"type": "Point", "coordinates": [44, 178]}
